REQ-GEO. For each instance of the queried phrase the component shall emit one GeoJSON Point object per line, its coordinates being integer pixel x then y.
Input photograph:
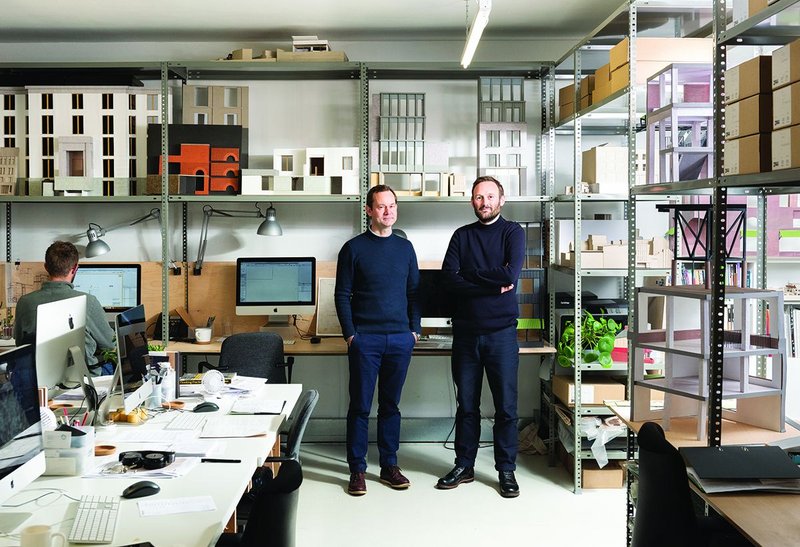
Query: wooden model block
{"type": "Point", "coordinates": [244, 54]}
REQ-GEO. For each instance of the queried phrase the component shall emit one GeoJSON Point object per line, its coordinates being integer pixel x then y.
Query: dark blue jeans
{"type": "Point", "coordinates": [497, 354]}
{"type": "Point", "coordinates": [381, 358]}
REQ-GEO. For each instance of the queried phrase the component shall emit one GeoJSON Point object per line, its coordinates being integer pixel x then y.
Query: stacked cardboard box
{"type": "Point", "coordinates": [786, 107]}
{"type": "Point", "coordinates": [653, 54]}
{"type": "Point", "coordinates": [748, 96]}
{"type": "Point", "coordinates": [566, 101]}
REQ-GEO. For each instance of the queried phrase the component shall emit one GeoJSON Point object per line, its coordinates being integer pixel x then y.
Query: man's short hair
{"type": "Point", "coordinates": [488, 179]}
{"type": "Point", "coordinates": [60, 258]}
{"type": "Point", "coordinates": [377, 189]}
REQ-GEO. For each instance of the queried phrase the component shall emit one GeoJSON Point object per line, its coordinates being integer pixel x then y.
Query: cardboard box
{"type": "Point", "coordinates": [749, 116]}
{"type": "Point", "coordinates": [748, 155]}
{"type": "Point", "coordinates": [602, 76]}
{"type": "Point", "coordinates": [600, 93]}
{"type": "Point", "coordinates": [786, 148]}
{"type": "Point", "coordinates": [644, 70]}
{"type": "Point", "coordinates": [311, 56]}
{"type": "Point", "coordinates": [592, 476]}
{"type": "Point", "coordinates": [786, 106]}
{"type": "Point", "coordinates": [587, 85]}
{"type": "Point", "coordinates": [585, 102]}
{"type": "Point", "coordinates": [665, 50]}
{"type": "Point", "coordinates": [566, 94]}
{"type": "Point", "coordinates": [749, 78]}
{"type": "Point", "coordinates": [566, 110]}
{"type": "Point", "coordinates": [786, 65]}
{"type": "Point", "coordinates": [594, 389]}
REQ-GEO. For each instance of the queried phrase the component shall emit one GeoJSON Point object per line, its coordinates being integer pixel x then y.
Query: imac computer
{"type": "Point", "coordinates": [435, 307]}
{"type": "Point", "coordinates": [277, 287]}
{"type": "Point", "coordinates": [116, 286]}
{"type": "Point", "coordinates": [21, 447]}
{"type": "Point", "coordinates": [61, 343]}
{"type": "Point", "coordinates": [132, 351]}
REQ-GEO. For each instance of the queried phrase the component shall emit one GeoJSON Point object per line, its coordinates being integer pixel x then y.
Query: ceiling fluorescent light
{"type": "Point", "coordinates": [475, 31]}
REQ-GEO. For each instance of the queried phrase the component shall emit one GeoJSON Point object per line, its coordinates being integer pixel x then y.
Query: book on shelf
{"type": "Point", "coordinates": [190, 378]}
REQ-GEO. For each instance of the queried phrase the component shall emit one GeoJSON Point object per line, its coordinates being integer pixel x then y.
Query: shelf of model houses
{"type": "Point", "coordinates": [685, 346]}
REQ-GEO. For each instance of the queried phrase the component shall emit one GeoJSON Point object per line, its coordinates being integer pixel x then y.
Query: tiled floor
{"type": "Point", "coordinates": [545, 513]}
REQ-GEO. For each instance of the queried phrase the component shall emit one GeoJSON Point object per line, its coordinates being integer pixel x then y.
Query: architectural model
{"type": "Point", "coordinates": [93, 137]}
{"type": "Point", "coordinates": [216, 105]}
{"type": "Point", "coordinates": [306, 170]}
{"type": "Point", "coordinates": [9, 158]}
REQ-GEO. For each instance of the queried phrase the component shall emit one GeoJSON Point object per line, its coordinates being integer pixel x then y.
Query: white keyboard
{"type": "Point", "coordinates": [435, 341]}
{"type": "Point", "coordinates": [187, 420]}
{"type": "Point", "coordinates": [96, 520]}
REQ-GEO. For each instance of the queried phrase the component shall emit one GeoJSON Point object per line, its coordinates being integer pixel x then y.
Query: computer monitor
{"type": "Point", "coordinates": [21, 447]}
{"type": "Point", "coordinates": [276, 286]}
{"type": "Point", "coordinates": [116, 286]}
{"type": "Point", "coordinates": [132, 350]}
{"type": "Point", "coordinates": [435, 304]}
{"type": "Point", "coordinates": [61, 343]}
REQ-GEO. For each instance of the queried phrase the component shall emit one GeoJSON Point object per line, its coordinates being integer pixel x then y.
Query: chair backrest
{"type": "Point", "coordinates": [258, 354]}
{"type": "Point", "coordinates": [664, 512]}
{"type": "Point", "coordinates": [297, 429]}
{"type": "Point", "coordinates": [273, 517]}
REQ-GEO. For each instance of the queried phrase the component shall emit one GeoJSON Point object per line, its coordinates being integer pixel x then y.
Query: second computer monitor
{"type": "Point", "coordinates": [116, 286]}
{"type": "Point", "coordinates": [434, 302]}
{"type": "Point", "coordinates": [276, 286]}
{"type": "Point", "coordinates": [61, 342]}
{"type": "Point", "coordinates": [132, 351]}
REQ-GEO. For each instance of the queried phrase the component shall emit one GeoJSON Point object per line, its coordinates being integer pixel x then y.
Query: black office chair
{"type": "Point", "coordinates": [273, 514]}
{"type": "Point", "coordinates": [258, 354]}
{"type": "Point", "coordinates": [665, 515]}
{"type": "Point", "coordinates": [290, 449]}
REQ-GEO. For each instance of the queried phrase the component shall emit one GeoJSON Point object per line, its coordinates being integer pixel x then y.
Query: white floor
{"type": "Point", "coordinates": [547, 512]}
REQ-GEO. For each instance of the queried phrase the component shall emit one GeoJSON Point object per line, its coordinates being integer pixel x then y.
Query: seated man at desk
{"type": "Point", "coordinates": [61, 263]}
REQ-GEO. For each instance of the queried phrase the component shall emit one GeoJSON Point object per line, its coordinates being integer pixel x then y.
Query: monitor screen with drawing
{"type": "Point", "coordinates": [21, 448]}
{"type": "Point", "coordinates": [276, 286]}
{"type": "Point", "coordinates": [116, 286]}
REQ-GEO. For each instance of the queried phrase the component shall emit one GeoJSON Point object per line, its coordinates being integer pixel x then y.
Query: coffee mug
{"type": "Point", "coordinates": [202, 335]}
{"type": "Point", "coordinates": [40, 535]}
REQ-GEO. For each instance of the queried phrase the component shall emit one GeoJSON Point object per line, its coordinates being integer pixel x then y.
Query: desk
{"type": "Point", "coordinates": [225, 482]}
{"type": "Point", "coordinates": [763, 518]}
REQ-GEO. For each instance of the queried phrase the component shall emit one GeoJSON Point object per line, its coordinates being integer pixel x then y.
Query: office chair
{"type": "Point", "coordinates": [665, 515]}
{"type": "Point", "coordinates": [258, 354]}
{"type": "Point", "coordinates": [273, 515]}
{"type": "Point", "coordinates": [290, 450]}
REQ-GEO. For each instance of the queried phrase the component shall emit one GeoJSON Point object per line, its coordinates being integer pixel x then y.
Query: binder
{"type": "Point", "coordinates": [740, 462]}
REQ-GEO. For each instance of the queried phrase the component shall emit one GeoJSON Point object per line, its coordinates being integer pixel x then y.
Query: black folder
{"type": "Point", "coordinates": [740, 462]}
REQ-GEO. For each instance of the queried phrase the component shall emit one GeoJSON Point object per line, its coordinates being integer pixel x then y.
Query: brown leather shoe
{"type": "Point", "coordinates": [357, 485]}
{"type": "Point", "coordinates": [392, 476]}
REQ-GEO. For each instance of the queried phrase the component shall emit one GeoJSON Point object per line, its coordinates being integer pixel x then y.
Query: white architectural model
{"type": "Point", "coordinates": [216, 105]}
{"type": "Point", "coordinates": [86, 140]}
{"type": "Point", "coordinates": [306, 170]}
{"type": "Point", "coordinates": [9, 158]}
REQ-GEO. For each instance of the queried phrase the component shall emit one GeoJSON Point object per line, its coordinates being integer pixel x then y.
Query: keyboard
{"type": "Point", "coordinates": [96, 520]}
{"type": "Point", "coordinates": [435, 341]}
{"type": "Point", "coordinates": [288, 341]}
{"type": "Point", "coordinates": [187, 420]}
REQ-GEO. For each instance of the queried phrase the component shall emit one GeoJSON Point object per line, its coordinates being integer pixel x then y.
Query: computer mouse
{"type": "Point", "coordinates": [206, 406]}
{"type": "Point", "coordinates": [141, 489]}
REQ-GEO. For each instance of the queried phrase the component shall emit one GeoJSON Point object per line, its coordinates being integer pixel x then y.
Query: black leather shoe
{"type": "Point", "coordinates": [456, 476]}
{"type": "Point", "coordinates": [508, 484]}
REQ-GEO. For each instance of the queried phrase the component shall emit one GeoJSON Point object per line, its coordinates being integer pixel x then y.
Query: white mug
{"type": "Point", "coordinates": [40, 535]}
{"type": "Point", "coordinates": [202, 334]}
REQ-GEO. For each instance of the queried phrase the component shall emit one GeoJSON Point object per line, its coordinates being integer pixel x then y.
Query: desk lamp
{"type": "Point", "coordinates": [269, 227]}
{"type": "Point", "coordinates": [97, 246]}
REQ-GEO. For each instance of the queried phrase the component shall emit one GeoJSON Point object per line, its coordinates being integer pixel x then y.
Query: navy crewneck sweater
{"type": "Point", "coordinates": [480, 259]}
{"type": "Point", "coordinates": [376, 285]}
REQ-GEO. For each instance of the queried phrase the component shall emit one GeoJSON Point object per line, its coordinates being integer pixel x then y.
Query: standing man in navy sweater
{"type": "Point", "coordinates": [377, 277]}
{"type": "Point", "coordinates": [481, 268]}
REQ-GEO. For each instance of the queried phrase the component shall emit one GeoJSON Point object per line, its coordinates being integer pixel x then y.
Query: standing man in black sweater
{"type": "Point", "coordinates": [377, 277]}
{"type": "Point", "coordinates": [481, 269]}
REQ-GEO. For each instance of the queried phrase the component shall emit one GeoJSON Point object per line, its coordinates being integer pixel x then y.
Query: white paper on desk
{"type": "Point", "coordinates": [154, 436]}
{"type": "Point", "coordinates": [194, 504]}
{"type": "Point", "coordinates": [111, 470]}
{"type": "Point", "coordinates": [257, 405]}
{"type": "Point", "coordinates": [247, 383]}
{"type": "Point", "coordinates": [234, 426]}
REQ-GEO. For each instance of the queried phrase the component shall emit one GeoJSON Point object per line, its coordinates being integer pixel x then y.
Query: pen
{"type": "Point", "coordinates": [218, 460]}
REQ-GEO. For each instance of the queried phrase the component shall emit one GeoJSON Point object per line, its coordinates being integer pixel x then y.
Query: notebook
{"type": "Point", "coordinates": [740, 462]}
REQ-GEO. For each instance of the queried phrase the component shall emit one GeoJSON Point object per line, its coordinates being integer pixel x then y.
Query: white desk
{"type": "Point", "coordinates": [224, 482]}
